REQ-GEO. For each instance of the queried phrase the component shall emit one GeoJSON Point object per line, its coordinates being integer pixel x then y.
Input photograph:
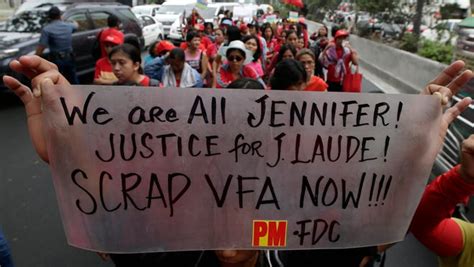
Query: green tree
{"type": "Point", "coordinates": [377, 6]}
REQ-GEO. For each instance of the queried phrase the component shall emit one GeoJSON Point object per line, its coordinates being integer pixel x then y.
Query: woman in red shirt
{"type": "Point", "coordinates": [126, 63]}
{"type": "Point", "coordinates": [237, 57]}
{"type": "Point", "coordinates": [272, 43]}
{"type": "Point", "coordinates": [306, 57]}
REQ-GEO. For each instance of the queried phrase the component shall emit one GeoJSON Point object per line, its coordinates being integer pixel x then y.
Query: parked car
{"type": "Point", "coordinates": [150, 10]}
{"type": "Point", "coordinates": [20, 34]}
{"type": "Point", "coordinates": [444, 31]}
{"type": "Point", "coordinates": [152, 29]}
{"type": "Point", "coordinates": [170, 11]}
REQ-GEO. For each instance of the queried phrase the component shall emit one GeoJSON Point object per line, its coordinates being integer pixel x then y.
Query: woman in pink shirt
{"type": "Point", "coordinates": [252, 43]}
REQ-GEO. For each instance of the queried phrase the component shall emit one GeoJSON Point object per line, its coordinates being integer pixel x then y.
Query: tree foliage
{"type": "Point", "coordinates": [377, 6]}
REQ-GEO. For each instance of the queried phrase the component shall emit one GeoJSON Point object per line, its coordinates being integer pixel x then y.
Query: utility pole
{"type": "Point", "coordinates": [418, 17]}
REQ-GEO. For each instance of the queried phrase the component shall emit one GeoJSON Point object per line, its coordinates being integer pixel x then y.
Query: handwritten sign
{"type": "Point", "coordinates": [148, 169]}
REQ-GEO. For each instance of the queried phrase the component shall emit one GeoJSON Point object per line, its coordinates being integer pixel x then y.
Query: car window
{"type": "Point", "coordinates": [100, 19]}
{"type": "Point", "coordinates": [127, 13]}
{"type": "Point", "coordinates": [146, 21]}
{"type": "Point", "coordinates": [81, 20]}
{"type": "Point", "coordinates": [149, 20]}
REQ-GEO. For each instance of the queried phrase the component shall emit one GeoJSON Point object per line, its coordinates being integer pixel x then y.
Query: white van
{"type": "Point", "coordinates": [170, 11]}
{"type": "Point", "coordinates": [149, 10]}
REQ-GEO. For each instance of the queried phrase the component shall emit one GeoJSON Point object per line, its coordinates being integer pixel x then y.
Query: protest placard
{"type": "Point", "coordinates": [271, 19]}
{"type": "Point", "coordinates": [293, 16]}
{"type": "Point", "coordinates": [242, 12]}
{"type": "Point", "coordinates": [148, 169]}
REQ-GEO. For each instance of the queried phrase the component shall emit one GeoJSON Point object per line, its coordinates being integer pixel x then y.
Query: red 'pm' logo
{"type": "Point", "coordinates": [269, 233]}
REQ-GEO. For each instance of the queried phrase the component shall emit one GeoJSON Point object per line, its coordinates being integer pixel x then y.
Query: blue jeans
{"type": "Point", "coordinates": [5, 255]}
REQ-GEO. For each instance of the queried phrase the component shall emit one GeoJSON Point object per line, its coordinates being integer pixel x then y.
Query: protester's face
{"type": "Point", "coordinates": [322, 31]}
{"type": "Point", "coordinates": [108, 46]}
{"type": "Point", "coordinates": [288, 55]}
{"type": "Point", "coordinates": [268, 33]}
{"type": "Point", "coordinates": [308, 63]}
{"type": "Point", "coordinates": [252, 30]}
{"type": "Point", "coordinates": [283, 36]}
{"type": "Point", "coordinates": [236, 256]}
{"type": "Point", "coordinates": [219, 37]}
{"type": "Point", "coordinates": [251, 45]}
{"type": "Point", "coordinates": [176, 65]}
{"type": "Point", "coordinates": [339, 41]}
{"type": "Point", "coordinates": [300, 43]}
{"type": "Point", "coordinates": [209, 29]}
{"type": "Point", "coordinates": [236, 59]}
{"type": "Point", "coordinates": [195, 42]}
{"type": "Point", "coordinates": [123, 67]}
{"type": "Point", "coordinates": [292, 39]}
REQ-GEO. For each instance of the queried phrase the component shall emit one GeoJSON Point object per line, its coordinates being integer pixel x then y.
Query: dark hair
{"type": "Point", "coordinates": [287, 73]}
{"type": "Point", "coordinates": [132, 40]}
{"type": "Point", "coordinates": [177, 54]}
{"type": "Point", "coordinates": [191, 35]}
{"type": "Point", "coordinates": [131, 51]}
{"type": "Point", "coordinates": [233, 34]}
{"type": "Point", "coordinates": [245, 83]}
{"type": "Point", "coordinates": [54, 13]}
{"type": "Point", "coordinates": [258, 52]}
{"type": "Point", "coordinates": [283, 49]}
{"type": "Point", "coordinates": [113, 21]}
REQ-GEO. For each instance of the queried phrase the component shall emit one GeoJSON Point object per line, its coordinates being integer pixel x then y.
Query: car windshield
{"type": "Point", "coordinates": [28, 21]}
{"type": "Point", "coordinates": [172, 10]}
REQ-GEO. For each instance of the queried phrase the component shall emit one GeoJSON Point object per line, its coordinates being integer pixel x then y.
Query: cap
{"type": "Point", "coordinates": [114, 38]}
{"type": "Point", "coordinates": [243, 27]}
{"type": "Point", "coordinates": [341, 33]}
{"type": "Point", "coordinates": [163, 46]}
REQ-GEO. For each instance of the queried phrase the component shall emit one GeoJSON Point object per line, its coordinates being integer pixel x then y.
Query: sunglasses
{"type": "Point", "coordinates": [235, 58]}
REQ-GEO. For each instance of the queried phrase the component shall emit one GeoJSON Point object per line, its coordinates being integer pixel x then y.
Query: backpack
{"type": "Point", "coordinates": [96, 50]}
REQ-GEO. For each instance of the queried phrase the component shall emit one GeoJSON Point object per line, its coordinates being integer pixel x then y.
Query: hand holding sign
{"type": "Point", "coordinates": [445, 85]}
{"type": "Point", "coordinates": [42, 73]}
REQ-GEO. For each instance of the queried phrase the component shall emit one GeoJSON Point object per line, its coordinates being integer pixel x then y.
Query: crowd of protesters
{"type": "Point", "coordinates": [221, 54]}
{"type": "Point", "coordinates": [271, 56]}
